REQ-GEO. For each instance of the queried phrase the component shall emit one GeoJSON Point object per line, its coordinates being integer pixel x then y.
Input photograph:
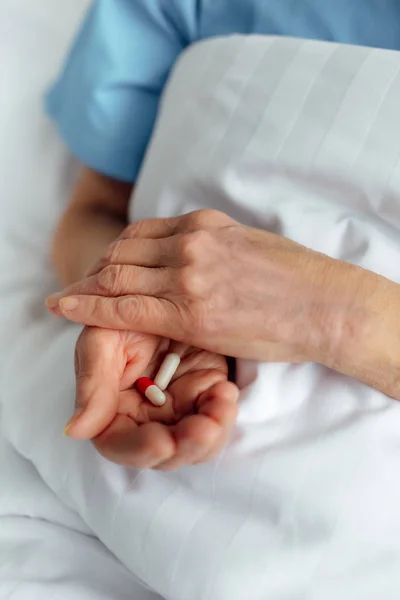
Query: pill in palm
{"type": "Point", "coordinates": [167, 370]}
{"type": "Point", "coordinates": [148, 388]}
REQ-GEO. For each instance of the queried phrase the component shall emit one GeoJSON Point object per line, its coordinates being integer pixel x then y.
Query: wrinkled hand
{"type": "Point", "coordinates": [208, 281]}
{"type": "Point", "coordinates": [196, 421]}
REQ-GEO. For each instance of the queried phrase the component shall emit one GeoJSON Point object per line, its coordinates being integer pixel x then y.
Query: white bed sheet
{"type": "Point", "coordinates": [46, 550]}
{"type": "Point", "coordinates": [304, 505]}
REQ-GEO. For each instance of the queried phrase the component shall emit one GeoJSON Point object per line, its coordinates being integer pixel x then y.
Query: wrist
{"type": "Point", "coordinates": [360, 334]}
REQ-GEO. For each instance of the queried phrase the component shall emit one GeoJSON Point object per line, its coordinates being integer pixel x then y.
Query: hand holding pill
{"type": "Point", "coordinates": [130, 427]}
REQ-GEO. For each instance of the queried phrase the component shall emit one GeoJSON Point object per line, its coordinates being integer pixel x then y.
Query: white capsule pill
{"type": "Point", "coordinates": [167, 370]}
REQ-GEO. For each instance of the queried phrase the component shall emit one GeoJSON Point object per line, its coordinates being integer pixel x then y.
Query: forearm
{"type": "Point", "coordinates": [95, 217]}
{"type": "Point", "coordinates": [80, 240]}
{"type": "Point", "coordinates": [359, 333]}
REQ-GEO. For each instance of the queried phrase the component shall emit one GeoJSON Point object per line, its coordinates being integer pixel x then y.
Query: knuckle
{"type": "Point", "coordinates": [132, 230]}
{"type": "Point", "coordinates": [129, 310]}
{"type": "Point", "coordinates": [191, 284]}
{"type": "Point", "coordinates": [207, 217]}
{"type": "Point", "coordinates": [194, 245]}
{"type": "Point", "coordinates": [204, 216]}
{"type": "Point", "coordinates": [111, 253]}
{"type": "Point", "coordinates": [109, 280]}
{"type": "Point", "coordinates": [136, 230]}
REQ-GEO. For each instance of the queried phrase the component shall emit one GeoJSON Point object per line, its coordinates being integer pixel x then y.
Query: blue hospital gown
{"type": "Point", "coordinates": [106, 98]}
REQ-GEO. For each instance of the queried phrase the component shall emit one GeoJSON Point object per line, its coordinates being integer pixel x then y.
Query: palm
{"type": "Point", "coordinates": [136, 428]}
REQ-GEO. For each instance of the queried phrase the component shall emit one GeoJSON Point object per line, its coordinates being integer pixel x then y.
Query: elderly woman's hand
{"type": "Point", "coordinates": [196, 421]}
{"type": "Point", "coordinates": [206, 280]}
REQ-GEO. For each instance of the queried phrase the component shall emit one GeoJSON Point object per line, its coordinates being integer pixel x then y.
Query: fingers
{"type": "Point", "coordinates": [142, 314]}
{"type": "Point", "coordinates": [152, 228]}
{"type": "Point", "coordinates": [194, 439]}
{"type": "Point", "coordinates": [129, 267]}
{"type": "Point", "coordinates": [97, 385]}
{"type": "Point", "coordinates": [139, 252]}
{"type": "Point", "coordinates": [161, 228]}
{"type": "Point", "coordinates": [145, 243]}
{"type": "Point", "coordinates": [118, 280]}
{"type": "Point", "coordinates": [201, 437]}
{"type": "Point", "coordinates": [143, 446]}
{"type": "Point", "coordinates": [148, 244]}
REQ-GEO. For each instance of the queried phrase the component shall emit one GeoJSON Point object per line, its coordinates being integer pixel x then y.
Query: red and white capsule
{"type": "Point", "coordinates": [148, 388]}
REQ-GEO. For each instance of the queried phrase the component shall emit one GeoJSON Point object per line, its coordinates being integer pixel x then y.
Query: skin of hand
{"type": "Point", "coordinates": [194, 424]}
{"type": "Point", "coordinates": [210, 282]}
{"type": "Point", "coordinates": [201, 408]}
{"type": "Point", "coordinates": [109, 284]}
{"type": "Point", "coordinates": [205, 280]}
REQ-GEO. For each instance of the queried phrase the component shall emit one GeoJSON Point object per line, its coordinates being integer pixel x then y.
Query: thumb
{"type": "Point", "coordinates": [97, 384]}
{"type": "Point", "coordinates": [142, 314]}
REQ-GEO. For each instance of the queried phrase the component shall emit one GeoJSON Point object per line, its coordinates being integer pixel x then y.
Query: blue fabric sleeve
{"type": "Point", "coordinates": [106, 98]}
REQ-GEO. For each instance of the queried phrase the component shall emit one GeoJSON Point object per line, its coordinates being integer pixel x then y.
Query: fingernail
{"type": "Point", "coordinates": [53, 301]}
{"type": "Point", "coordinates": [67, 304]}
{"type": "Point", "coordinates": [72, 421]}
{"type": "Point", "coordinates": [67, 429]}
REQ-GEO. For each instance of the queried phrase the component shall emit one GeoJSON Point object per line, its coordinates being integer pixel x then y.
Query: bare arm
{"type": "Point", "coordinates": [367, 345]}
{"type": "Point", "coordinates": [95, 217]}
{"type": "Point", "coordinates": [326, 310]}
